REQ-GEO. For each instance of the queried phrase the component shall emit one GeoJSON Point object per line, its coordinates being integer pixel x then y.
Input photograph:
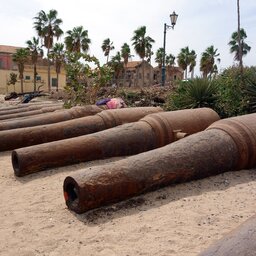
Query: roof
{"type": "Point", "coordinates": [133, 64]}
{"type": "Point", "coordinates": [8, 49]}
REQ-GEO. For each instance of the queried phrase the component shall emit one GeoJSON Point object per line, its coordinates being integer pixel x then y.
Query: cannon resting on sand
{"type": "Point", "coordinates": [228, 144]}
{"type": "Point", "coordinates": [150, 132]}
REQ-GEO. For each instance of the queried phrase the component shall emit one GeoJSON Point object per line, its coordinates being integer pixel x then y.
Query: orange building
{"type": "Point", "coordinates": [7, 66]}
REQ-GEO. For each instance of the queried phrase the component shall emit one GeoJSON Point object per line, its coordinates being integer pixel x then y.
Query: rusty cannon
{"type": "Point", "coordinates": [31, 112]}
{"type": "Point", "coordinates": [50, 118]}
{"type": "Point", "coordinates": [152, 131]}
{"type": "Point", "coordinates": [239, 242]}
{"type": "Point", "coordinates": [23, 108]}
{"type": "Point", "coordinates": [225, 145]}
{"type": "Point", "coordinates": [72, 128]}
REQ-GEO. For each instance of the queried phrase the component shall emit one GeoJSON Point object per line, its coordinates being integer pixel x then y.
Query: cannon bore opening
{"type": "Point", "coordinates": [15, 163]}
{"type": "Point", "coordinates": [71, 195]}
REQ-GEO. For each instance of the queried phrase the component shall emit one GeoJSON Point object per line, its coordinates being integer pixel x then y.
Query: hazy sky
{"type": "Point", "coordinates": [200, 23]}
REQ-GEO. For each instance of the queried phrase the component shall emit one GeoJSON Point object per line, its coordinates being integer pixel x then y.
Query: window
{"type": "Point", "coordinates": [27, 77]}
{"type": "Point", "coordinates": [38, 78]}
{"type": "Point", "coordinates": [54, 82]}
{"type": "Point", "coordinates": [175, 77]}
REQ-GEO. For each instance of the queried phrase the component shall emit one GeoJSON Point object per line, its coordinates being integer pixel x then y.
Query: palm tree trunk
{"type": "Point", "coordinates": [57, 88]}
{"type": "Point", "coordinates": [239, 37]}
{"type": "Point", "coordinates": [49, 71]}
{"type": "Point", "coordinates": [143, 72]}
{"type": "Point", "coordinates": [34, 77]}
{"type": "Point", "coordinates": [192, 73]}
{"type": "Point", "coordinates": [21, 85]}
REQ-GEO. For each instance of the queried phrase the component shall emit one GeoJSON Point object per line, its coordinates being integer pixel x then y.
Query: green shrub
{"type": "Point", "coordinates": [195, 93]}
{"type": "Point", "coordinates": [232, 91]}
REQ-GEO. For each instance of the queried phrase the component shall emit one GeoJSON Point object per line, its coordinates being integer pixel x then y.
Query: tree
{"type": "Point", "coordinates": [208, 61]}
{"type": "Point", "coordinates": [21, 57]}
{"type": "Point", "coordinates": [47, 26]}
{"type": "Point", "coordinates": [106, 47]}
{"type": "Point", "coordinates": [142, 44]}
{"type": "Point", "coordinates": [234, 44]}
{"type": "Point", "coordinates": [187, 58]}
{"type": "Point", "coordinates": [159, 57]}
{"type": "Point", "coordinates": [192, 62]}
{"type": "Point", "coordinates": [58, 56]}
{"type": "Point", "coordinates": [77, 40]}
{"type": "Point", "coordinates": [35, 51]}
{"type": "Point", "coordinates": [117, 64]}
{"type": "Point", "coordinates": [170, 60]}
{"type": "Point", "coordinates": [240, 52]}
{"type": "Point", "coordinates": [125, 54]}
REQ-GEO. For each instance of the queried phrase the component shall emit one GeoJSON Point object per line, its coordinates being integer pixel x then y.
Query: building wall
{"type": "Point", "coordinates": [133, 76]}
{"type": "Point", "coordinates": [28, 84]}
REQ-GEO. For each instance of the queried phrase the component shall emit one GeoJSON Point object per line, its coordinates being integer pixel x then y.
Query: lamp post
{"type": "Point", "coordinates": [173, 18]}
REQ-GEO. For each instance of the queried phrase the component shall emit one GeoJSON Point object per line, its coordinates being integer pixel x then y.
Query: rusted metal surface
{"type": "Point", "coordinates": [31, 112]}
{"type": "Point", "coordinates": [242, 129]}
{"type": "Point", "coordinates": [200, 155]}
{"type": "Point", "coordinates": [239, 242]}
{"type": "Point", "coordinates": [180, 161]}
{"type": "Point", "coordinates": [150, 132]}
{"type": "Point", "coordinates": [16, 110]}
{"type": "Point", "coordinates": [50, 118]}
{"type": "Point", "coordinates": [72, 128]}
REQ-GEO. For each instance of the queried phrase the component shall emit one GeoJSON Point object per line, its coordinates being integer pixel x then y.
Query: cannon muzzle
{"type": "Point", "coordinates": [226, 145]}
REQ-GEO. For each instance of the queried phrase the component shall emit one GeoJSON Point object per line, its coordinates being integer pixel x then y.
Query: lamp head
{"type": "Point", "coordinates": [173, 18]}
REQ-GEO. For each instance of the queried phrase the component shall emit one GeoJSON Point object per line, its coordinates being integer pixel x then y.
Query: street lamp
{"type": "Point", "coordinates": [173, 18]}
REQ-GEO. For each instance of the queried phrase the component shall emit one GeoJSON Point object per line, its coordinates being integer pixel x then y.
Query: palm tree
{"type": "Point", "coordinates": [159, 57]}
{"type": "Point", "coordinates": [117, 64]}
{"type": "Point", "coordinates": [58, 56]}
{"type": "Point", "coordinates": [208, 61]}
{"type": "Point", "coordinates": [35, 52]}
{"type": "Point", "coordinates": [142, 44]}
{"type": "Point", "coordinates": [21, 57]}
{"type": "Point", "coordinates": [192, 62]}
{"type": "Point", "coordinates": [170, 60]}
{"type": "Point", "coordinates": [186, 58]}
{"type": "Point", "coordinates": [77, 40]}
{"type": "Point", "coordinates": [234, 44]}
{"type": "Point", "coordinates": [106, 47]}
{"type": "Point", "coordinates": [125, 54]}
{"type": "Point", "coordinates": [47, 26]}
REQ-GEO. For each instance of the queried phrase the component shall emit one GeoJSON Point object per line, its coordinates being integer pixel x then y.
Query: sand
{"type": "Point", "coordinates": [179, 220]}
{"type": "Point", "coordinates": [176, 220]}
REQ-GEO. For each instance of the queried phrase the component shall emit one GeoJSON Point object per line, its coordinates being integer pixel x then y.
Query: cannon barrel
{"type": "Point", "coordinates": [21, 105]}
{"type": "Point", "coordinates": [32, 112]}
{"type": "Point", "coordinates": [27, 109]}
{"type": "Point", "coordinates": [152, 131]}
{"type": "Point", "coordinates": [241, 241]}
{"type": "Point", "coordinates": [50, 118]}
{"type": "Point", "coordinates": [72, 128]}
{"type": "Point", "coordinates": [226, 145]}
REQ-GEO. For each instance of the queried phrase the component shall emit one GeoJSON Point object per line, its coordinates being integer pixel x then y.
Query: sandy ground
{"type": "Point", "coordinates": [178, 220]}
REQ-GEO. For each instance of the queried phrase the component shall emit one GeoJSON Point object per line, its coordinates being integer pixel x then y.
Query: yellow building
{"type": "Point", "coordinates": [7, 66]}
